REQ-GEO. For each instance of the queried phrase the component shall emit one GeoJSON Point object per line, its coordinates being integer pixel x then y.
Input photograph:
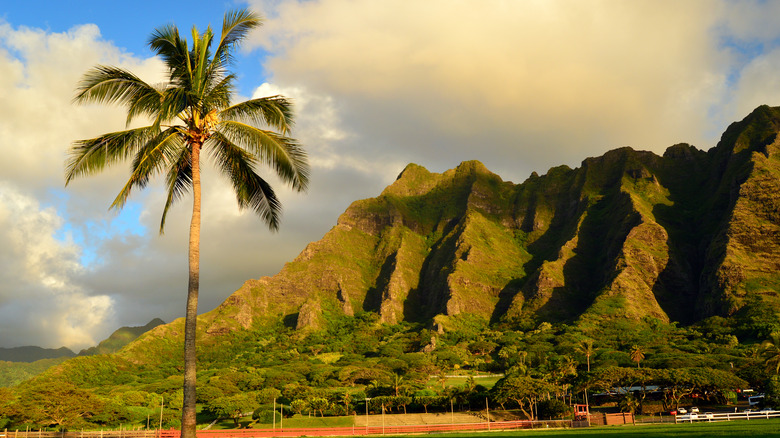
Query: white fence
{"type": "Point", "coordinates": [727, 416]}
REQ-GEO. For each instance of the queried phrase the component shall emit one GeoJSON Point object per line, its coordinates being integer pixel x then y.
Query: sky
{"type": "Point", "coordinates": [520, 85]}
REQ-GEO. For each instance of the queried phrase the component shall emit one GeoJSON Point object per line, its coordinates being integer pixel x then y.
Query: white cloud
{"type": "Point", "coordinates": [37, 271]}
{"type": "Point", "coordinates": [519, 85]}
{"type": "Point", "coordinates": [758, 83]}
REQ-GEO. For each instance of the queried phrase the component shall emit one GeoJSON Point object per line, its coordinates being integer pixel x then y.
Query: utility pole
{"type": "Point", "coordinates": [367, 399]}
{"type": "Point", "coordinates": [162, 402]}
{"type": "Point", "coordinates": [487, 412]}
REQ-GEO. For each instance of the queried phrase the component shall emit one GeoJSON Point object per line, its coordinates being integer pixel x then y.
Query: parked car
{"type": "Point", "coordinates": [767, 410]}
{"type": "Point", "coordinates": [694, 416]}
{"type": "Point", "coordinates": [709, 415]}
{"type": "Point", "coordinates": [694, 410]}
{"type": "Point", "coordinates": [682, 411]}
{"type": "Point", "coordinates": [749, 411]}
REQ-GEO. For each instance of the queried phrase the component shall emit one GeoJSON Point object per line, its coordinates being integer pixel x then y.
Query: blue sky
{"type": "Point", "coordinates": [521, 86]}
{"type": "Point", "coordinates": [128, 24]}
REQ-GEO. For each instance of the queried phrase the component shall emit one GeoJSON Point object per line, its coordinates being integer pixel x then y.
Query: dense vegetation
{"type": "Point", "coordinates": [333, 371]}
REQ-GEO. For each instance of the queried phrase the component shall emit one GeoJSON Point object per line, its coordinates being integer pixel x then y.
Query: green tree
{"type": "Point", "coordinates": [681, 382]}
{"type": "Point", "coordinates": [319, 404]}
{"type": "Point", "coordinates": [7, 399]}
{"type": "Point", "coordinates": [426, 400]}
{"type": "Point", "coordinates": [403, 401]}
{"type": "Point", "coordinates": [346, 398]}
{"type": "Point", "coordinates": [54, 402]}
{"type": "Point", "coordinates": [772, 391]}
{"type": "Point", "coordinates": [770, 349]}
{"type": "Point", "coordinates": [398, 384]}
{"type": "Point", "coordinates": [523, 390]}
{"type": "Point", "coordinates": [192, 112]}
{"type": "Point", "coordinates": [637, 354]}
{"type": "Point", "coordinates": [298, 405]}
{"type": "Point", "coordinates": [442, 378]}
{"type": "Point", "coordinates": [628, 403]}
{"type": "Point", "coordinates": [232, 406]}
{"type": "Point", "coordinates": [552, 408]}
{"type": "Point", "coordinates": [586, 348]}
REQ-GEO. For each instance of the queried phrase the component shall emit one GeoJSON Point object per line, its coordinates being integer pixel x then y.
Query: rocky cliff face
{"type": "Point", "coordinates": [630, 234]}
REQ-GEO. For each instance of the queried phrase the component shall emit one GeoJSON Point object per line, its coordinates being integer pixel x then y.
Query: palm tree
{"type": "Point", "coordinates": [771, 350]}
{"type": "Point", "coordinates": [397, 383]}
{"type": "Point", "coordinates": [189, 113]}
{"type": "Point", "coordinates": [637, 355]}
{"type": "Point", "coordinates": [442, 378]}
{"type": "Point", "coordinates": [586, 348]}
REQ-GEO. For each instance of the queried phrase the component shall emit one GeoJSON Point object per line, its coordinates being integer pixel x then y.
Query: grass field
{"type": "Point", "coordinates": [758, 428]}
{"type": "Point", "coordinates": [487, 382]}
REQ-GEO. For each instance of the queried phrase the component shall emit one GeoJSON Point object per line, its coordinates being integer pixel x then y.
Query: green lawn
{"type": "Point", "coordinates": [296, 421]}
{"type": "Point", "coordinates": [757, 428]}
{"type": "Point", "coordinates": [487, 382]}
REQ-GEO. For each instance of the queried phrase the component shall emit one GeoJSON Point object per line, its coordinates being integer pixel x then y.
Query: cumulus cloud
{"type": "Point", "coordinates": [39, 300]}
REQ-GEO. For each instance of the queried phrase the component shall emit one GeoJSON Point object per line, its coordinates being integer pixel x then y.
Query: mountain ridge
{"type": "Point", "coordinates": [629, 233]}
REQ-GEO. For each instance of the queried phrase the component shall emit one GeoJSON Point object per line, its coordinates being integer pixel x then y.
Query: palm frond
{"type": "Point", "coordinates": [219, 93]}
{"type": "Point", "coordinates": [202, 75]}
{"type": "Point", "coordinates": [178, 182]}
{"type": "Point", "coordinates": [107, 84]}
{"type": "Point", "coordinates": [148, 102]}
{"type": "Point", "coordinates": [87, 157]}
{"type": "Point", "coordinates": [167, 44]}
{"type": "Point", "coordinates": [235, 26]}
{"type": "Point", "coordinates": [174, 102]}
{"type": "Point", "coordinates": [151, 159]}
{"type": "Point", "coordinates": [273, 111]}
{"type": "Point", "coordinates": [251, 190]}
{"type": "Point", "coordinates": [283, 154]}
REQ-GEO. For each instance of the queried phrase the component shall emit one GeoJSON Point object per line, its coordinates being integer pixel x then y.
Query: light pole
{"type": "Point", "coordinates": [367, 399]}
{"type": "Point", "coordinates": [162, 401]}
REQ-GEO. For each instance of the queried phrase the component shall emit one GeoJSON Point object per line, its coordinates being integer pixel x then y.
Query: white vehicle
{"type": "Point", "coordinates": [682, 411]}
{"type": "Point", "coordinates": [709, 415]}
{"type": "Point", "coordinates": [694, 410]}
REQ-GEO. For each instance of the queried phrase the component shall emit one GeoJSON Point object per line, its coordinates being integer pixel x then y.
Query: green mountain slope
{"type": "Point", "coordinates": [120, 338]}
{"type": "Point", "coordinates": [630, 234]}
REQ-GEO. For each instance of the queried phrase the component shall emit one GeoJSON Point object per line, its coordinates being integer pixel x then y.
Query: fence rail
{"type": "Point", "coordinates": [373, 429]}
{"type": "Point", "coordinates": [299, 431]}
{"type": "Point", "coordinates": [80, 434]}
{"type": "Point", "coordinates": [728, 416]}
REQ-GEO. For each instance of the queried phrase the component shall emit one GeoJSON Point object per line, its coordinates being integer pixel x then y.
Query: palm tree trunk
{"type": "Point", "coordinates": [188, 421]}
